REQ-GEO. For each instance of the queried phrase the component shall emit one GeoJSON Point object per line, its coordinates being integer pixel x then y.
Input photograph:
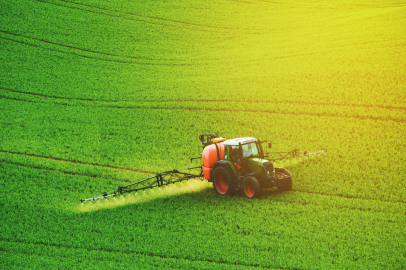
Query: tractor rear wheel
{"type": "Point", "coordinates": [222, 181]}
{"type": "Point", "coordinates": [250, 187]}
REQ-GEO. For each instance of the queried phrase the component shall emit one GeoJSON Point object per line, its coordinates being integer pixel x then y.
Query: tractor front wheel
{"type": "Point", "coordinates": [222, 181]}
{"type": "Point", "coordinates": [251, 187]}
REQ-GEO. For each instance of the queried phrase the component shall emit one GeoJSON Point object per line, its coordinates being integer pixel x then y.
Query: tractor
{"type": "Point", "coordinates": [239, 165]}
{"type": "Point", "coordinates": [231, 165]}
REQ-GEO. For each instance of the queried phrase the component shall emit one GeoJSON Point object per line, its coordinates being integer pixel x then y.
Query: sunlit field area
{"type": "Point", "coordinates": [99, 94]}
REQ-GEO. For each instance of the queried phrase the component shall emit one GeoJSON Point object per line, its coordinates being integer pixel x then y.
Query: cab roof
{"type": "Point", "coordinates": [236, 141]}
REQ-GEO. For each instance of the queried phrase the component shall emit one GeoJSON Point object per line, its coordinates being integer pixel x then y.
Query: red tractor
{"type": "Point", "coordinates": [240, 164]}
{"type": "Point", "coordinates": [232, 165]}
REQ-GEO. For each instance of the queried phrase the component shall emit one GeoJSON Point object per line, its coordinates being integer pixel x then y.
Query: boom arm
{"type": "Point", "coordinates": [160, 179]}
{"type": "Point", "coordinates": [294, 153]}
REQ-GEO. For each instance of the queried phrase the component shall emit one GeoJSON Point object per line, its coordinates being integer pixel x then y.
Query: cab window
{"type": "Point", "coordinates": [250, 150]}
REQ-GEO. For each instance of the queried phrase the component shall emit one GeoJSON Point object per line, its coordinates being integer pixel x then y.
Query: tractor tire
{"type": "Point", "coordinates": [289, 185]}
{"type": "Point", "coordinates": [222, 181]}
{"type": "Point", "coordinates": [250, 187]}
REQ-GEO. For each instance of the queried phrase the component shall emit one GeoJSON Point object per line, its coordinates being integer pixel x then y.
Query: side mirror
{"type": "Point", "coordinates": [269, 145]}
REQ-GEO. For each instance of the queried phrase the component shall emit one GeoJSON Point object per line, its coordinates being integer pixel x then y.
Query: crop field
{"type": "Point", "coordinates": [99, 94]}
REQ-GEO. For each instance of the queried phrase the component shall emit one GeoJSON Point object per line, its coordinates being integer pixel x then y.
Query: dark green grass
{"type": "Point", "coordinates": [364, 157]}
{"type": "Point", "coordinates": [43, 256]}
{"type": "Point", "coordinates": [344, 54]}
{"type": "Point", "coordinates": [282, 230]}
{"type": "Point", "coordinates": [94, 92]}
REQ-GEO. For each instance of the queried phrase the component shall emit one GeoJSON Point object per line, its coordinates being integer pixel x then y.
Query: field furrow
{"type": "Point", "coordinates": [128, 15]}
{"type": "Point", "coordinates": [361, 112]}
{"type": "Point", "coordinates": [40, 254]}
{"type": "Point", "coordinates": [246, 103]}
{"type": "Point", "coordinates": [115, 174]}
{"type": "Point", "coordinates": [60, 48]}
{"type": "Point", "coordinates": [310, 218]}
{"type": "Point", "coordinates": [99, 94]}
{"type": "Point", "coordinates": [127, 260]}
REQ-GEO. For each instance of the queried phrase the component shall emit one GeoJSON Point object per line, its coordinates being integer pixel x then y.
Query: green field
{"type": "Point", "coordinates": [96, 94]}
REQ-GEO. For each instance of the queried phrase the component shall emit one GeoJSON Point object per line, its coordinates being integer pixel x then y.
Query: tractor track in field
{"type": "Point", "coordinates": [129, 107]}
{"type": "Point", "coordinates": [55, 44]}
{"type": "Point", "coordinates": [45, 96]}
{"type": "Point", "coordinates": [292, 102]}
{"type": "Point", "coordinates": [101, 13]}
{"type": "Point", "coordinates": [64, 172]}
{"type": "Point", "coordinates": [350, 197]}
{"type": "Point", "coordinates": [231, 110]}
{"type": "Point", "coordinates": [216, 101]}
{"type": "Point", "coordinates": [77, 162]}
{"type": "Point", "coordinates": [132, 16]}
{"type": "Point", "coordinates": [266, 192]}
{"type": "Point", "coordinates": [131, 60]}
{"type": "Point", "coordinates": [131, 252]}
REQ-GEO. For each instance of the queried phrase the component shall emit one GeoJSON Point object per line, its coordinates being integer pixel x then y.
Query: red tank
{"type": "Point", "coordinates": [209, 157]}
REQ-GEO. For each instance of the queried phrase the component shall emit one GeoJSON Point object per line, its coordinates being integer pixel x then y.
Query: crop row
{"type": "Point", "coordinates": [74, 78]}
{"type": "Point", "coordinates": [107, 178]}
{"type": "Point", "coordinates": [144, 57]}
{"type": "Point", "coordinates": [33, 255]}
{"type": "Point", "coordinates": [362, 112]}
{"type": "Point", "coordinates": [364, 159]}
{"type": "Point", "coordinates": [116, 81]}
{"type": "Point", "coordinates": [72, 167]}
{"type": "Point", "coordinates": [203, 226]}
{"type": "Point", "coordinates": [107, 35]}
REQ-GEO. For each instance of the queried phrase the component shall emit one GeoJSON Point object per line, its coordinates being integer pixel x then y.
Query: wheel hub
{"type": "Point", "coordinates": [221, 183]}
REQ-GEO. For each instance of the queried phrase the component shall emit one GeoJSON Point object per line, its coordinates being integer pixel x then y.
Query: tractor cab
{"type": "Point", "coordinates": [239, 150]}
{"type": "Point", "coordinates": [248, 145]}
{"type": "Point", "coordinates": [247, 155]}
